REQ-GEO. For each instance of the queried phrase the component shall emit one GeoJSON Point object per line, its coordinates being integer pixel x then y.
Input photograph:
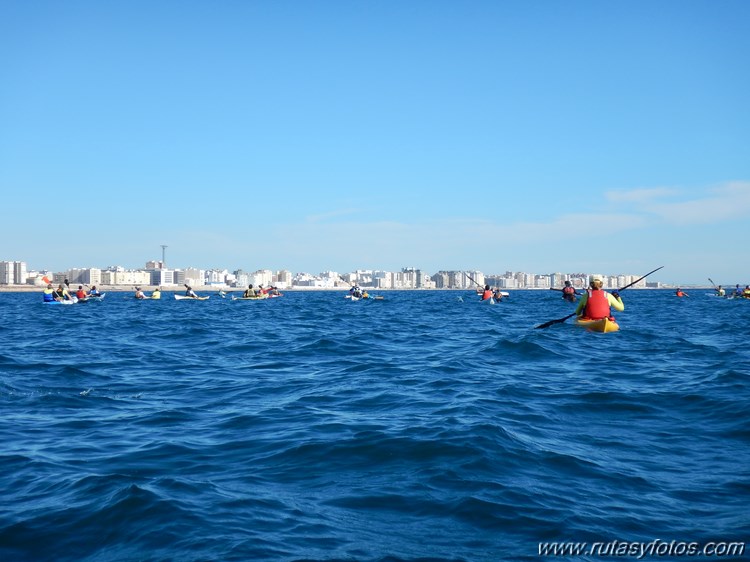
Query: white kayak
{"type": "Point", "coordinates": [72, 300]}
{"type": "Point", "coordinates": [186, 298]}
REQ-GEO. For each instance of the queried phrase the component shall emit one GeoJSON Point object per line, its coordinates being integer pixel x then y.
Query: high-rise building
{"type": "Point", "coordinates": [13, 273]}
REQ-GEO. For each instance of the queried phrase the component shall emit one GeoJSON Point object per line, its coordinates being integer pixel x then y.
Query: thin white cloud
{"type": "Point", "coordinates": [323, 217]}
{"type": "Point", "coordinates": [726, 202]}
{"type": "Point", "coordinates": [643, 195]}
{"type": "Point", "coordinates": [721, 203]}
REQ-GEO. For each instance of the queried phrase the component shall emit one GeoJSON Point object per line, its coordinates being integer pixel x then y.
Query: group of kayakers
{"type": "Point", "coordinates": [356, 292]}
{"type": "Point", "coordinates": [250, 292]}
{"type": "Point", "coordinates": [62, 293]}
{"type": "Point", "coordinates": [737, 293]}
{"type": "Point", "coordinates": [139, 294]}
{"type": "Point", "coordinates": [489, 293]}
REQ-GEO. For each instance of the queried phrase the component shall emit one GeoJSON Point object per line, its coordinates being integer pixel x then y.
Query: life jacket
{"type": "Point", "coordinates": [680, 294]}
{"type": "Point", "coordinates": [80, 294]}
{"type": "Point", "coordinates": [597, 305]}
{"type": "Point", "coordinates": [486, 295]}
{"type": "Point", "coordinates": [49, 295]}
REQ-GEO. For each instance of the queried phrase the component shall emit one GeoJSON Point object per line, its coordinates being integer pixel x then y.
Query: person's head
{"type": "Point", "coordinates": [93, 287]}
{"type": "Point", "coordinates": [596, 282]}
{"type": "Point", "coordinates": [60, 286]}
{"type": "Point", "coordinates": [49, 285]}
{"type": "Point", "coordinates": [80, 287]}
{"type": "Point", "coordinates": [249, 286]}
{"type": "Point", "coordinates": [486, 287]}
{"type": "Point", "coordinates": [190, 288]}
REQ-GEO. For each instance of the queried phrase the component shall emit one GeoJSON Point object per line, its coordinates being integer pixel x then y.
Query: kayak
{"type": "Point", "coordinates": [73, 300]}
{"type": "Point", "coordinates": [186, 298]}
{"type": "Point", "coordinates": [602, 325]}
{"type": "Point", "coordinates": [96, 298]}
{"type": "Point", "coordinates": [258, 298]}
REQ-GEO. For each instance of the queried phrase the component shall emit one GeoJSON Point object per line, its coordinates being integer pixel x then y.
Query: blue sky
{"type": "Point", "coordinates": [537, 136]}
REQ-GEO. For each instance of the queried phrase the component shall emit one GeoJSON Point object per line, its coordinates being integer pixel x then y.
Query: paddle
{"type": "Point", "coordinates": [561, 320]}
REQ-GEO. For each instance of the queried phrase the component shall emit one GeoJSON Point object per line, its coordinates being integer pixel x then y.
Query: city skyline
{"type": "Point", "coordinates": [590, 137]}
{"type": "Point", "coordinates": [158, 273]}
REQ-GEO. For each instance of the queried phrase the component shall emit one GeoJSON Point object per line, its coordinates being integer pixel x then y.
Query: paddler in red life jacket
{"type": "Point", "coordinates": [487, 294]}
{"type": "Point", "coordinates": [680, 293]}
{"type": "Point", "coordinates": [569, 292]}
{"type": "Point", "coordinates": [596, 303]}
{"type": "Point", "coordinates": [80, 293]}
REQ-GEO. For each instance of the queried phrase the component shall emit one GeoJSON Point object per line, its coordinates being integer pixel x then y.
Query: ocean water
{"type": "Point", "coordinates": [423, 427]}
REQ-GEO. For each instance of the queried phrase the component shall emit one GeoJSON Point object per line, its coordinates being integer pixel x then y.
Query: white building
{"type": "Point", "coordinates": [118, 276]}
{"type": "Point", "coordinates": [160, 277]}
{"type": "Point", "coordinates": [262, 277]}
{"type": "Point", "coordinates": [85, 276]}
{"type": "Point", "coordinates": [13, 273]}
{"type": "Point", "coordinates": [283, 279]}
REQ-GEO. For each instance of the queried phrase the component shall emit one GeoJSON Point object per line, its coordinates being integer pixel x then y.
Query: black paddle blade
{"type": "Point", "coordinates": [551, 322]}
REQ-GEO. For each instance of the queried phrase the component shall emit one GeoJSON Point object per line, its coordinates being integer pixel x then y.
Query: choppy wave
{"type": "Point", "coordinates": [421, 427]}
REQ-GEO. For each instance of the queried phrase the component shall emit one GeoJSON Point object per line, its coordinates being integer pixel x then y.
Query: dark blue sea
{"type": "Point", "coordinates": [423, 427]}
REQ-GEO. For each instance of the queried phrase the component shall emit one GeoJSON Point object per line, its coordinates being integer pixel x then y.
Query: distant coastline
{"type": "Point", "coordinates": [303, 289]}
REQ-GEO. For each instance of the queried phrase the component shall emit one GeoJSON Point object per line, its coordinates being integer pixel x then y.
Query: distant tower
{"type": "Point", "coordinates": [163, 256]}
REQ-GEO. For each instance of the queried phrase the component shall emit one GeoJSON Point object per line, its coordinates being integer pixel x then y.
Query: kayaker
{"type": "Point", "coordinates": [190, 293]}
{"type": "Point", "coordinates": [597, 303]}
{"type": "Point", "coordinates": [569, 292]}
{"type": "Point", "coordinates": [80, 293]}
{"type": "Point", "coordinates": [680, 293]}
{"type": "Point", "coordinates": [93, 292]}
{"type": "Point", "coordinates": [497, 295]}
{"type": "Point", "coordinates": [720, 291]}
{"type": "Point", "coordinates": [49, 294]}
{"type": "Point", "coordinates": [737, 291]}
{"type": "Point", "coordinates": [62, 294]}
{"type": "Point", "coordinates": [746, 292]}
{"type": "Point", "coordinates": [156, 294]}
{"type": "Point", "coordinates": [249, 292]}
{"type": "Point", "coordinates": [139, 294]}
{"type": "Point", "coordinates": [487, 293]}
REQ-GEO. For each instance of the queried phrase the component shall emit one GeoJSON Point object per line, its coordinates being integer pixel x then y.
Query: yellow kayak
{"type": "Point", "coordinates": [602, 325]}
